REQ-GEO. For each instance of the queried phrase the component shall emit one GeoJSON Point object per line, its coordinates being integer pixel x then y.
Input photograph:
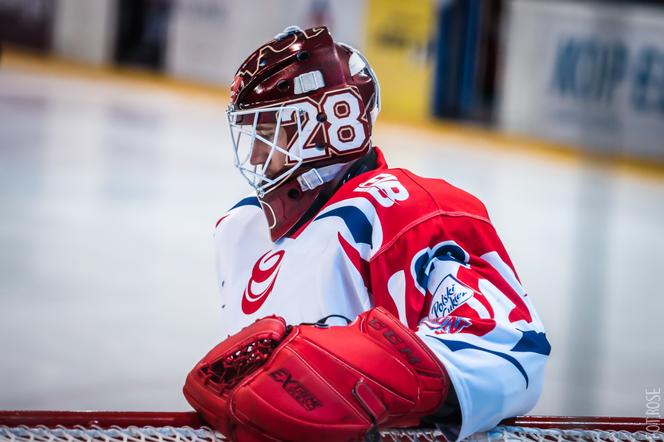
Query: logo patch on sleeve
{"type": "Point", "coordinates": [447, 326]}
{"type": "Point", "coordinates": [449, 295]}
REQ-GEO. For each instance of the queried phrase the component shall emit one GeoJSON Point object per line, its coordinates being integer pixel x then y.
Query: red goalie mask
{"type": "Point", "coordinates": [302, 110]}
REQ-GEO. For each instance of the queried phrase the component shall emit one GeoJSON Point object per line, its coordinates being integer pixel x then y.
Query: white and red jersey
{"type": "Point", "coordinates": [421, 248]}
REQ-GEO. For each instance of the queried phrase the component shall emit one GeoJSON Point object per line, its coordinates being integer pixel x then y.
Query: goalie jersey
{"type": "Point", "coordinates": [419, 247]}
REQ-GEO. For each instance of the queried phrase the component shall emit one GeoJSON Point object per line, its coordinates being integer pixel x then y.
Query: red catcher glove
{"type": "Point", "coordinates": [276, 382]}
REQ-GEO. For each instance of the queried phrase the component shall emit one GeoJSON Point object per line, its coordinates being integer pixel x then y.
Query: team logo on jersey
{"type": "Point", "coordinates": [447, 325]}
{"type": "Point", "coordinates": [385, 188]}
{"type": "Point", "coordinates": [263, 276]}
{"type": "Point", "coordinates": [449, 295]}
{"type": "Point", "coordinates": [447, 253]}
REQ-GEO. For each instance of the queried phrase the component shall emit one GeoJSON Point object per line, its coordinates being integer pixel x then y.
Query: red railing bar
{"type": "Point", "coordinates": [580, 422]}
{"type": "Point", "coordinates": [105, 419]}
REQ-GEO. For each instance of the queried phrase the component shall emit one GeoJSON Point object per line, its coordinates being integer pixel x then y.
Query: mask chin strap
{"type": "Point", "coordinates": [368, 162]}
{"type": "Point", "coordinates": [313, 178]}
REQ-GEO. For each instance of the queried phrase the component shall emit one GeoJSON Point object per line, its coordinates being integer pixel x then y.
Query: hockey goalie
{"type": "Point", "coordinates": [357, 297]}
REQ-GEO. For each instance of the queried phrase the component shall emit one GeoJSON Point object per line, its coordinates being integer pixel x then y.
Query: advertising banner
{"type": "Point", "coordinates": [586, 74]}
{"type": "Point", "coordinates": [85, 30]}
{"type": "Point", "coordinates": [208, 39]}
{"type": "Point", "coordinates": [398, 46]}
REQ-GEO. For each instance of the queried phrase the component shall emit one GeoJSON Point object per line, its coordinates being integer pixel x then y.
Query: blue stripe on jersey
{"type": "Point", "coordinates": [460, 345]}
{"type": "Point", "coordinates": [357, 222]}
{"type": "Point", "coordinates": [248, 201]}
{"type": "Point", "coordinates": [533, 342]}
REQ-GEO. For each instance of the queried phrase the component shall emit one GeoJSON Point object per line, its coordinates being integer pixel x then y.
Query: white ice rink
{"type": "Point", "coordinates": [109, 192]}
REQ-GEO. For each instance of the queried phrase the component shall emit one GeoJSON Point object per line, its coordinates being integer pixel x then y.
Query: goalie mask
{"type": "Point", "coordinates": [301, 113]}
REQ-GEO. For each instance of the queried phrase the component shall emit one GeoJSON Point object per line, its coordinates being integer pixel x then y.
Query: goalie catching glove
{"type": "Point", "coordinates": [272, 381]}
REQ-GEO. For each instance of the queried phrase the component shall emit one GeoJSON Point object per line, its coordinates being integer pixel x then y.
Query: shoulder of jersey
{"type": "Point", "coordinates": [400, 200]}
{"type": "Point", "coordinates": [246, 205]}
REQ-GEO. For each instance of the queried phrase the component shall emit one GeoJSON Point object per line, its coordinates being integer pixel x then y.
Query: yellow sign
{"type": "Point", "coordinates": [398, 46]}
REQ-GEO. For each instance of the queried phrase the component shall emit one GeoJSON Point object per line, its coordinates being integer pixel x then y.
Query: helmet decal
{"type": "Point", "coordinates": [302, 110]}
{"type": "Point", "coordinates": [281, 43]}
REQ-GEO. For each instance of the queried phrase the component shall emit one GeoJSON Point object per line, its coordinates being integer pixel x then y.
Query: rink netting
{"type": "Point", "coordinates": [204, 434]}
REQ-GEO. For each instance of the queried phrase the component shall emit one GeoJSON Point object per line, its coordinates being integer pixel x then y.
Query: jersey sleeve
{"type": "Point", "coordinates": [428, 253]}
{"type": "Point", "coordinates": [448, 277]}
{"type": "Point", "coordinates": [483, 326]}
